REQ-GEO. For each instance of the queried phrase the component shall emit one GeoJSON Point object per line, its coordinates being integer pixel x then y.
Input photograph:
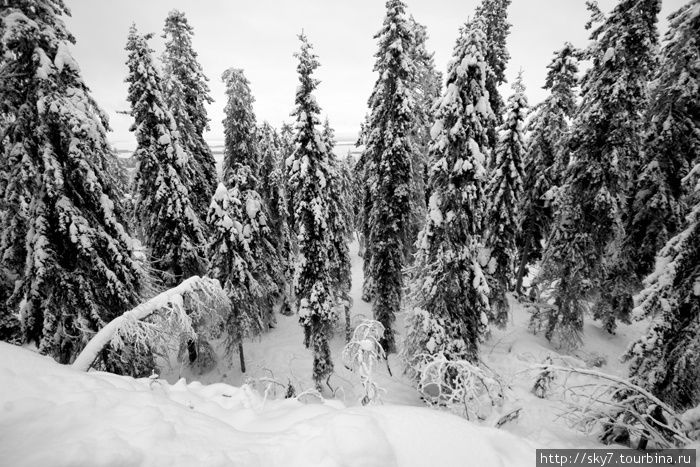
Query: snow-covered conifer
{"type": "Point", "coordinates": [666, 360]}
{"type": "Point", "coordinates": [272, 188]}
{"type": "Point", "coordinates": [389, 150]}
{"type": "Point", "coordinates": [546, 157]}
{"type": "Point", "coordinates": [241, 168]}
{"type": "Point", "coordinates": [504, 192]}
{"type": "Point", "coordinates": [494, 14]}
{"type": "Point", "coordinates": [673, 140]}
{"type": "Point", "coordinates": [426, 89]}
{"type": "Point", "coordinates": [231, 262]}
{"type": "Point", "coordinates": [583, 252]}
{"type": "Point", "coordinates": [309, 175]}
{"type": "Point", "coordinates": [339, 213]}
{"type": "Point", "coordinates": [241, 146]}
{"type": "Point", "coordinates": [63, 244]}
{"type": "Point", "coordinates": [449, 291]}
{"type": "Point", "coordinates": [167, 219]}
{"type": "Point", "coordinates": [186, 94]}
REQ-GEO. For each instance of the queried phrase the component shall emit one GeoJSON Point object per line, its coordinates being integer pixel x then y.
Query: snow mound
{"type": "Point", "coordinates": [52, 414]}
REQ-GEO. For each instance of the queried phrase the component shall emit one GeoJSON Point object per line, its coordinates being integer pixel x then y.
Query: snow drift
{"type": "Point", "coordinates": [52, 414]}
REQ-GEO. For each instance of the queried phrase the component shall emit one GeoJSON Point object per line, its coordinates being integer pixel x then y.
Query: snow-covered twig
{"type": "Point", "coordinates": [175, 306]}
{"type": "Point", "coordinates": [361, 355]}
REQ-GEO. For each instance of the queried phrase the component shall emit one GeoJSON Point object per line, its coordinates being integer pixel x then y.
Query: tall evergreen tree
{"type": "Point", "coordinates": [672, 141]}
{"type": "Point", "coordinates": [309, 174]}
{"type": "Point", "coordinates": [546, 156]}
{"type": "Point", "coordinates": [504, 192]}
{"type": "Point", "coordinates": [240, 131]}
{"type": "Point", "coordinates": [388, 153]}
{"type": "Point", "coordinates": [272, 188]}
{"type": "Point", "coordinates": [241, 169]}
{"type": "Point", "coordinates": [426, 89]}
{"type": "Point", "coordinates": [450, 293]}
{"type": "Point", "coordinates": [494, 14]}
{"type": "Point", "coordinates": [186, 94]}
{"type": "Point", "coordinates": [583, 250]}
{"type": "Point", "coordinates": [665, 360]}
{"type": "Point", "coordinates": [339, 213]}
{"type": "Point", "coordinates": [231, 262]}
{"type": "Point", "coordinates": [171, 227]}
{"type": "Point", "coordinates": [62, 243]}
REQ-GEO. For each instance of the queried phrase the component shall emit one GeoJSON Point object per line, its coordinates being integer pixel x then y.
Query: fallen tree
{"type": "Point", "coordinates": [196, 305]}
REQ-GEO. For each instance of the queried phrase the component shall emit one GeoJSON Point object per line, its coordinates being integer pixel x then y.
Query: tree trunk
{"type": "Point", "coordinates": [521, 268]}
{"type": "Point", "coordinates": [348, 325]}
{"type": "Point", "coordinates": [241, 356]}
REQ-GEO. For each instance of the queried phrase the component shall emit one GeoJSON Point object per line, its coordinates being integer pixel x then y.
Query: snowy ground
{"type": "Point", "coordinates": [54, 415]}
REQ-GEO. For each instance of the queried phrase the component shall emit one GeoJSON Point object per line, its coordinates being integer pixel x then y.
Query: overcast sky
{"type": "Point", "coordinates": [260, 37]}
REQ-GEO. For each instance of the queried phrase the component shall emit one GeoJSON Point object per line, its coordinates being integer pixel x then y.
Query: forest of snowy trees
{"type": "Point", "coordinates": [585, 206]}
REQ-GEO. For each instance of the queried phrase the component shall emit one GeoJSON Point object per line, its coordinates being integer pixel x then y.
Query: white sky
{"type": "Point", "coordinates": [260, 37]}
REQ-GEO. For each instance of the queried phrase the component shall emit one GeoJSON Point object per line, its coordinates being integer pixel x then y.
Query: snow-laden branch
{"type": "Point", "coordinates": [193, 293]}
{"type": "Point", "coordinates": [459, 385]}
{"type": "Point", "coordinates": [622, 409]}
{"type": "Point", "coordinates": [613, 379]}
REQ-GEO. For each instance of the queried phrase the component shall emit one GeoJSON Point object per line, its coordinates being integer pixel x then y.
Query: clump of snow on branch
{"type": "Point", "coordinates": [198, 305]}
{"type": "Point", "coordinates": [362, 354]}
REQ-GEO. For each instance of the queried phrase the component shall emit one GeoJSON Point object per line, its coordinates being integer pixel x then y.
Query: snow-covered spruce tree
{"type": "Point", "coordinates": [583, 251]}
{"type": "Point", "coordinates": [673, 139]}
{"type": "Point", "coordinates": [387, 158]}
{"type": "Point", "coordinates": [426, 89]}
{"type": "Point", "coordinates": [494, 14]}
{"type": "Point", "coordinates": [186, 94]}
{"type": "Point", "coordinates": [309, 174]}
{"type": "Point", "coordinates": [504, 192]}
{"type": "Point", "coordinates": [666, 360]}
{"type": "Point", "coordinates": [339, 213]}
{"type": "Point", "coordinates": [63, 244]}
{"type": "Point", "coordinates": [240, 130]}
{"type": "Point", "coordinates": [449, 292]}
{"type": "Point", "coordinates": [546, 157]}
{"type": "Point", "coordinates": [241, 168]}
{"type": "Point", "coordinates": [271, 186]}
{"type": "Point", "coordinates": [354, 194]}
{"type": "Point", "coordinates": [167, 220]}
{"type": "Point", "coordinates": [639, 39]}
{"type": "Point", "coordinates": [231, 262]}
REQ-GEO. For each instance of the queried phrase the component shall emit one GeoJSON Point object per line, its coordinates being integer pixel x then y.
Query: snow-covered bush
{"type": "Point", "coordinates": [198, 306]}
{"type": "Point", "coordinates": [459, 386]}
{"type": "Point", "coordinates": [362, 354]}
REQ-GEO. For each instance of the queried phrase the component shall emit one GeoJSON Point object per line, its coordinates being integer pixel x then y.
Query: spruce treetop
{"type": "Point", "coordinates": [181, 64]}
{"type": "Point", "coordinates": [240, 147]}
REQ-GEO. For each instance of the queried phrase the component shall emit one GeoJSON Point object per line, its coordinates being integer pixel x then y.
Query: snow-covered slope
{"type": "Point", "coordinates": [55, 415]}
